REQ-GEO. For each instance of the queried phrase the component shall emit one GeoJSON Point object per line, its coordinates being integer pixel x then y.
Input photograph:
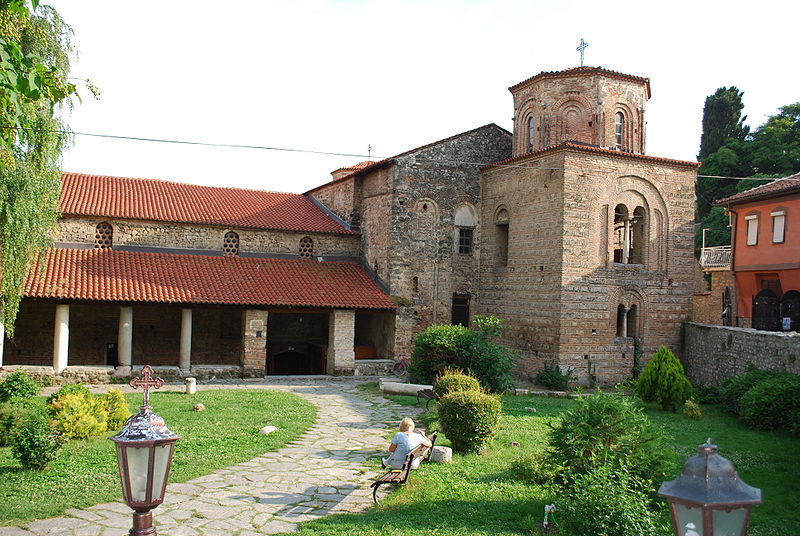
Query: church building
{"type": "Point", "coordinates": [565, 228]}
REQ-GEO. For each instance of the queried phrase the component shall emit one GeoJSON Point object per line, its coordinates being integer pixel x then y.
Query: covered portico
{"type": "Point", "coordinates": [189, 313]}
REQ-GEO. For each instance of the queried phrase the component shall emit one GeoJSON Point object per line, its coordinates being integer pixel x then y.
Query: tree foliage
{"type": "Point", "coordinates": [34, 61]}
{"type": "Point", "coordinates": [664, 381]}
{"type": "Point", "coordinates": [728, 150]}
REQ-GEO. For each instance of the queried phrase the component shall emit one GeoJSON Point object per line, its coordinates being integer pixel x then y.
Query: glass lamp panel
{"type": "Point", "coordinates": [728, 523]}
{"type": "Point", "coordinates": [690, 520]}
{"type": "Point", "coordinates": [137, 467]}
{"type": "Point", "coordinates": [161, 468]}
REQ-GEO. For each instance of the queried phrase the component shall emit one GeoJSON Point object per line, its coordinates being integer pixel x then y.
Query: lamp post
{"type": "Point", "coordinates": [144, 456]}
{"type": "Point", "coordinates": [709, 498]}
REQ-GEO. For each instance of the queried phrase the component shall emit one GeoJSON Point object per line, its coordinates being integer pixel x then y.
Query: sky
{"type": "Point", "coordinates": [376, 78]}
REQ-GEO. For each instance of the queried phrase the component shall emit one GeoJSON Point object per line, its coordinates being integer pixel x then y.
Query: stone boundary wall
{"type": "Point", "coordinates": [713, 353]}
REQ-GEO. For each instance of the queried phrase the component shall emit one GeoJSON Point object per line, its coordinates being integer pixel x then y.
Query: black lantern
{"type": "Point", "coordinates": [709, 498]}
{"type": "Point", "coordinates": [144, 456]}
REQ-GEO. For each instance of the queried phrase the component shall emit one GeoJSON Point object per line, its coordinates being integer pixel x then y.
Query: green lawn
{"type": "Point", "coordinates": [85, 472]}
{"type": "Point", "coordinates": [478, 495]}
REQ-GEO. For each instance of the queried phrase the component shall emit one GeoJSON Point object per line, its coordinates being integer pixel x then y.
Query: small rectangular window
{"type": "Point", "coordinates": [465, 241]}
{"type": "Point", "coordinates": [752, 230]}
{"type": "Point", "coordinates": [778, 226]}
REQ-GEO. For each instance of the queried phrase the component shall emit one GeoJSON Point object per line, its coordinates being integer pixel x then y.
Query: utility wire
{"type": "Point", "coordinates": [305, 151]}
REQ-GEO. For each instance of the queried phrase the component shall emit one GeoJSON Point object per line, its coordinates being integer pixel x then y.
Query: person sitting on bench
{"type": "Point", "coordinates": [404, 442]}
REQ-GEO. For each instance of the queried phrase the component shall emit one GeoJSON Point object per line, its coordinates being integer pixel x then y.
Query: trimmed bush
{"type": "Point", "coordinates": [773, 403]}
{"type": "Point", "coordinates": [35, 443]}
{"type": "Point", "coordinates": [443, 346]}
{"type": "Point", "coordinates": [452, 380]}
{"type": "Point", "coordinates": [607, 502]}
{"type": "Point", "coordinates": [469, 419]}
{"type": "Point", "coordinates": [534, 469]}
{"type": "Point", "coordinates": [78, 416]}
{"type": "Point", "coordinates": [733, 389]}
{"type": "Point", "coordinates": [707, 394]}
{"type": "Point", "coordinates": [608, 430]}
{"type": "Point", "coordinates": [553, 377]}
{"type": "Point", "coordinates": [664, 381]}
{"type": "Point", "coordinates": [13, 413]}
{"type": "Point", "coordinates": [117, 409]}
{"type": "Point", "coordinates": [692, 410]}
{"type": "Point", "coordinates": [18, 385]}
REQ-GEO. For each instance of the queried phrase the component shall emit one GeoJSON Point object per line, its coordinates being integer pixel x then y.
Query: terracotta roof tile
{"type": "Point", "coordinates": [125, 276]}
{"type": "Point", "coordinates": [784, 186]}
{"type": "Point", "coordinates": [592, 149]}
{"type": "Point", "coordinates": [157, 200]}
{"type": "Point", "coordinates": [585, 71]}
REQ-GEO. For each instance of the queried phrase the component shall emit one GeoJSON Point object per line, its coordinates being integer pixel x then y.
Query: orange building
{"type": "Point", "coordinates": [765, 258]}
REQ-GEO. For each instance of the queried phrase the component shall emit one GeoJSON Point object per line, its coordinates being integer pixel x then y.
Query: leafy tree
{"type": "Point", "coordinates": [664, 381]}
{"type": "Point", "coordinates": [722, 120]}
{"type": "Point", "coordinates": [776, 144]}
{"type": "Point", "coordinates": [722, 123]}
{"type": "Point", "coordinates": [34, 62]}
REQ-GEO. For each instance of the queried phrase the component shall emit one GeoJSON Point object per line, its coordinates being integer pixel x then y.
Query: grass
{"type": "Point", "coordinates": [479, 495]}
{"type": "Point", "coordinates": [226, 433]}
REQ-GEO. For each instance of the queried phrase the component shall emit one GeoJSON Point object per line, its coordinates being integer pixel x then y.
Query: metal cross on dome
{"type": "Point", "coordinates": [581, 48]}
{"type": "Point", "coordinates": [146, 382]}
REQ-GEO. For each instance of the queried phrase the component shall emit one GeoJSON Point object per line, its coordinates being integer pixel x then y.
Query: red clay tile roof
{"type": "Point", "coordinates": [585, 71]}
{"type": "Point", "coordinates": [592, 149]}
{"type": "Point", "coordinates": [107, 275]}
{"type": "Point", "coordinates": [785, 186]}
{"type": "Point", "coordinates": [360, 165]}
{"type": "Point", "coordinates": [157, 200]}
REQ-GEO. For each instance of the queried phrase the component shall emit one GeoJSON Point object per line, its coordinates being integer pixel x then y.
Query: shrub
{"type": "Point", "coordinates": [79, 416]}
{"type": "Point", "coordinates": [13, 413]}
{"type": "Point", "coordinates": [35, 443]}
{"type": "Point", "coordinates": [18, 385]}
{"type": "Point", "coordinates": [772, 403]}
{"type": "Point", "coordinates": [534, 469]}
{"type": "Point", "coordinates": [442, 346]}
{"type": "Point", "coordinates": [452, 380]}
{"type": "Point", "coordinates": [554, 377]}
{"type": "Point", "coordinates": [117, 409]}
{"type": "Point", "coordinates": [692, 410]}
{"type": "Point", "coordinates": [608, 430]}
{"type": "Point", "coordinates": [69, 389]}
{"type": "Point", "coordinates": [663, 381]}
{"type": "Point", "coordinates": [469, 419]}
{"type": "Point", "coordinates": [607, 502]}
{"type": "Point", "coordinates": [733, 389]}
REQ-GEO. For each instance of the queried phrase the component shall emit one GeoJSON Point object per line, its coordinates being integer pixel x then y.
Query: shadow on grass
{"type": "Point", "coordinates": [430, 517]}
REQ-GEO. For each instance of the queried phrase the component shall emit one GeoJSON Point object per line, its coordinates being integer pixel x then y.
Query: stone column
{"type": "Point", "coordinates": [124, 342]}
{"type": "Point", "coordinates": [624, 321]}
{"type": "Point", "coordinates": [254, 342]}
{"type": "Point", "coordinates": [61, 339]}
{"type": "Point", "coordinates": [626, 242]}
{"type": "Point", "coordinates": [341, 341]}
{"type": "Point", "coordinates": [185, 359]}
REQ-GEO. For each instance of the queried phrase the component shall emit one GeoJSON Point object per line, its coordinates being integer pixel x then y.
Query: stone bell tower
{"type": "Point", "coordinates": [589, 105]}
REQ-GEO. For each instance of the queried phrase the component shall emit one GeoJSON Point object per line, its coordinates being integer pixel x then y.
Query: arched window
{"type": "Point", "coordinates": [621, 234]}
{"type": "Point", "coordinates": [230, 244]}
{"type": "Point", "coordinates": [619, 129]}
{"type": "Point", "coordinates": [638, 236]}
{"type": "Point", "coordinates": [465, 229]}
{"type": "Point", "coordinates": [306, 248]}
{"type": "Point", "coordinates": [103, 236]}
{"type": "Point", "coordinates": [501, 236]}
{"type": "Point", "coordinates": [531, 133]}
{"type": "Point", "coordinates": [632, 322]}
{"type": "Point", "coordinates": [630, 235]}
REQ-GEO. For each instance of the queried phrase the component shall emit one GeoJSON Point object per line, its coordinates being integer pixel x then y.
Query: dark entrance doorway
{"type": "Point", "coordinates": [766, 311]}
{"type": "Point", "coordinates": [460, 311]}
{"type": "Point", "coordinates": [790, 308]}
{"type": "Point", "coordinates": [297, 343]}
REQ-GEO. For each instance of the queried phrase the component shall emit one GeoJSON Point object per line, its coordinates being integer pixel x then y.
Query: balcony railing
{"type": "Point", "coordinates": [715, 257]}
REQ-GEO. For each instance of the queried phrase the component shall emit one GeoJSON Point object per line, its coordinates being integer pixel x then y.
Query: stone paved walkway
{"type": "Point", "coordinates": [322, 472]}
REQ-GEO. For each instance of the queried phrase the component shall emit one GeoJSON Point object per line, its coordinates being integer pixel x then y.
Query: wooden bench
{"type": "Point", "coordinates": [428, 395]}
{"type": "Point", "coordinates": [400, 476]}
